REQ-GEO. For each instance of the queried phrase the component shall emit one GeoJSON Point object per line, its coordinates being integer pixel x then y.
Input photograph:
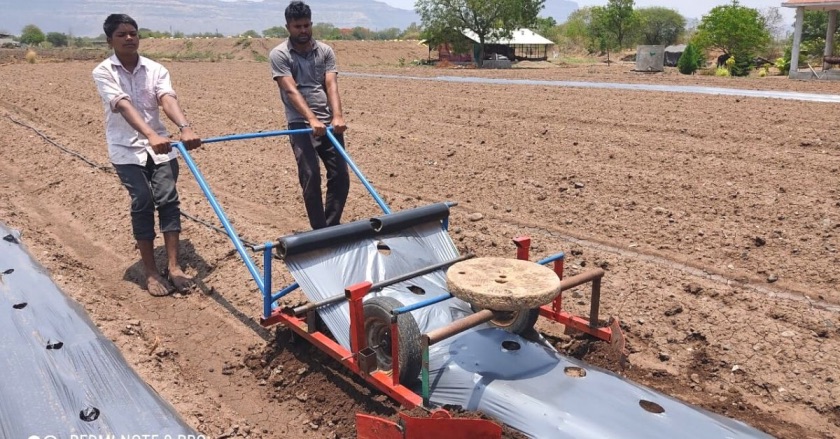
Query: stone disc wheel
{"type": "Point", "coordinates": [378, 334]}
{"type": "Point", "coordinates": [502, 284]}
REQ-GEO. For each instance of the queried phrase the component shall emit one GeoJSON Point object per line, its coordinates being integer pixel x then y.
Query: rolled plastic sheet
{"type": "Point", "coordinates": [525, 384]}
{"type": "Point", "coordinates": [59, 376]}
{"type": "Point", "coordinates": [408, 218]}
{"type": "Point", "coordinates": [330, 236]}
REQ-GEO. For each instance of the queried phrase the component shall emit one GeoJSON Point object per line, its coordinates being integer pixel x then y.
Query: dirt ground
{"type": "Point", "coordinates": [716, 218]}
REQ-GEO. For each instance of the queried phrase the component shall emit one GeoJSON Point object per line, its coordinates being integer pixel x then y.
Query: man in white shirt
{"type": "Point", "coordinates": [132, 88]}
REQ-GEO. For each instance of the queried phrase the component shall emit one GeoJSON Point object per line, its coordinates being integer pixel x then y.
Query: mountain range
{"type": "Point", "coordinates": [229, 17]}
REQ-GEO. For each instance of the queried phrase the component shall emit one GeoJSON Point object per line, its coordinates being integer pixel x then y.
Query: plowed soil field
{"type": "Point", "coordinates": [717, 219]}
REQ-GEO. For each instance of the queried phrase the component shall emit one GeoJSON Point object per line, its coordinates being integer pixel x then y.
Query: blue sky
{"type": "Point", "coordinates": [688, 8]}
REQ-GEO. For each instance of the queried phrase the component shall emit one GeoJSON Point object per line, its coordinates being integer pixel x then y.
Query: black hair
{"type": "Point", "coordinates": [114, 21]}
{"type": "Point", "coordinates": [297, 10]}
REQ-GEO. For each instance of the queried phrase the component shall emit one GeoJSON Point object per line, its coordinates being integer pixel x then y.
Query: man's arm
{"type": "Point", "coordinates": [173, 111]}
{"type": "Point", "coordinates": [334, 101]}
{"type": "Point", "coordinates": [159, 144]}
{"type": "Point", "coordinates": [112, 93]}
{"type": "Point", "coordinates": [288, 85]}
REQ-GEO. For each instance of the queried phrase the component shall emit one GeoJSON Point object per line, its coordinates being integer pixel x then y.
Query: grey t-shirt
{"type": "Point", "coordinates": [309, 70]}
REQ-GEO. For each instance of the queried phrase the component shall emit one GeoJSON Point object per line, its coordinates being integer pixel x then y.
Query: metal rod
{"type": "Point", "coordinates": [459, 326]}
{"type": "Point", "coordinates": [255, 135]}
{"type": "Point", "coordinates": [234, 237]}
{"type": "Point", "coordinates": [423, 304]}
{"type": "Point", "coordinates": [379, 285]}
{"type": "Point", "coordinates": [267, 281]}
{"type": "Point", "coordinates": [595, 303]}
{"type": "Point", "coordinates": [358, 172]}
{"type": "Point", "coordinates": [580, 279]}
{"type": "Point", "coordinates": [424, 371]}
{"type": "Point", "coordinates": [282, 293]}
{"type": "Point", "coordinates": [558, 257]}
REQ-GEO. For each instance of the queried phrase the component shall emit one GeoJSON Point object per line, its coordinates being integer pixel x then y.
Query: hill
{"type": "Point", "coordinates": [231, 17]}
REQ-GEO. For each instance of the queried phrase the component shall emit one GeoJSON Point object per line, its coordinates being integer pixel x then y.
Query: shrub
{"type": "Point", "coordinates": [722, 72]}
{"type": "Point", "coordinates": [31, 56]}
{"type": "Point", "coordinates": [690, 60]}
{"type": "Point", "coordinates": [783, 64]}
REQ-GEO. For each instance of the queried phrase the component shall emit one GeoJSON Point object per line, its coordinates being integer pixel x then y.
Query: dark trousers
{"type": "Point", "coordinates": [149, 187]}
{"type": "Point", "coordinates": [308, 149]}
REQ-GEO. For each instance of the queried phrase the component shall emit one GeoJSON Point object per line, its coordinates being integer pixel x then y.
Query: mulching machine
{"type": "Point", "coordinates": [386, 346]}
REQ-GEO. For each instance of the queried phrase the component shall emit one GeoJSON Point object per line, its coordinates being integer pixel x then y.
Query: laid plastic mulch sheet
{"type": "Point", "coordinates": [59, 376]}
{"type": "Point", "coordinates": [523, 384]}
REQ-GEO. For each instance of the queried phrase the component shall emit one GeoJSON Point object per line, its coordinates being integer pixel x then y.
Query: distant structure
{"type": "Point", "coordinates": [650, 59]}
{"type": "Point", "coordinates": [829, 59]}
{"type": "Point", "coordinates": [7, 41]}
{"type": "Point", "coordinates": [673, 54]}
{"type": "Point", "coordinates": [523, 45]}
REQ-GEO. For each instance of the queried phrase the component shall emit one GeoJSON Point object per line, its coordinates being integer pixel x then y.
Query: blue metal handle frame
{"type": "Point", "coordinates": [358, 173]}
{"type": "Point", "coordinates": [263, 280]}
{"type": "Point", "coordinates": [558, 257]}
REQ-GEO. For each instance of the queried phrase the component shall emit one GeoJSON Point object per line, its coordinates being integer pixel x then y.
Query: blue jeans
{"type": "Point", "coordinates": [152, 186]}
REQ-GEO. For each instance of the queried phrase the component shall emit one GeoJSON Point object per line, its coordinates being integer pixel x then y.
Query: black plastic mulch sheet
{"type": "Point", "coordinates": [59, 376]}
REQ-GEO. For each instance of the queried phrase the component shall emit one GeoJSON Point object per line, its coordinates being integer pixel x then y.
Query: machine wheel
{"type": "Point", "coordinates": [517, 322]}
{"type": "Point", "coordinates": [378, 333]}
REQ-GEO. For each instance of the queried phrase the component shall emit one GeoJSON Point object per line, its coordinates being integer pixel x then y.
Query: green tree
{"type": "Point", "coordinates": [660, 26]}
{"type": "Point", "coordinates": [690, 60]}
{"type": "Point", "coordinates": [814, 30]}
{"type": "Point", "coordinates": [205, 35]}
{"type": "Point", "coordinates": [736, 30]}
{"type": "Point", "coordinates": [250, 33]}
{"type": "Point", "coordinates": [544, 26]}
{"type": "Point", "coordinates": [326, 31]}
{"type": "Point", "coordinates": [148, 33]}
{"type": "Point", "coordinates": [488, 19]}
{"type": "Point", "coordinates": [392, 33]}
{"type": "Point", "coordinates": [412, 32]}
{"type": "Point", "coordinates": [619, 19]}
{"type": "Point", "coordinates": [600, 31]}
{"type": "Point", "coordinates": [276, 32]}
{"type": "Point", "coordinates": [360, 33]}
{"type": "Point", "coordinates": [435, 37]}
{"type": "Point", "coordinates": [32, 35]}
{"type": "Point", "coordinates": [578, 29]}
{"type": "Point", "coordinates": [57, 39]}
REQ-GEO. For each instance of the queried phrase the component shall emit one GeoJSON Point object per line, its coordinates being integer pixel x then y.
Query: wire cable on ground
{"type": "Point", "coordinates": [68, 151]}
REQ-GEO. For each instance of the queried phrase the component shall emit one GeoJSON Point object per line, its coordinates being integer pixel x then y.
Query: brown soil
{"type": "Point", "coordinates": [716, 218]}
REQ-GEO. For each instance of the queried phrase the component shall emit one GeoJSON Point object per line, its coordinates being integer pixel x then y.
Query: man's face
{"type": "Point", "coordinates": [300, 30]}
{"type": "Point", "coordinates": [125, 40]}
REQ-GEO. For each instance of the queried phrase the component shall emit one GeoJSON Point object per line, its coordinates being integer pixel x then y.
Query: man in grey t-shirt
{"type": "Point", "coordinates": [305, 71]}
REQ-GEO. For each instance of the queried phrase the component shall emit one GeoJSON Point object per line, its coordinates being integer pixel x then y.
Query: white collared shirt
{"type": "Point", "coordinates": [144, 87]}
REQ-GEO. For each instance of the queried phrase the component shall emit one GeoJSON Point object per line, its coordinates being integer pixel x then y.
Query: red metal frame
{"type": "Point", "coordinates": [355, 294]}
{"type": "Point", "coordinates": [439, 425]}
{"type": "Point", "coordinates": [555, 310]}
{"type": "Point", "coordinates": [379, 379]}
